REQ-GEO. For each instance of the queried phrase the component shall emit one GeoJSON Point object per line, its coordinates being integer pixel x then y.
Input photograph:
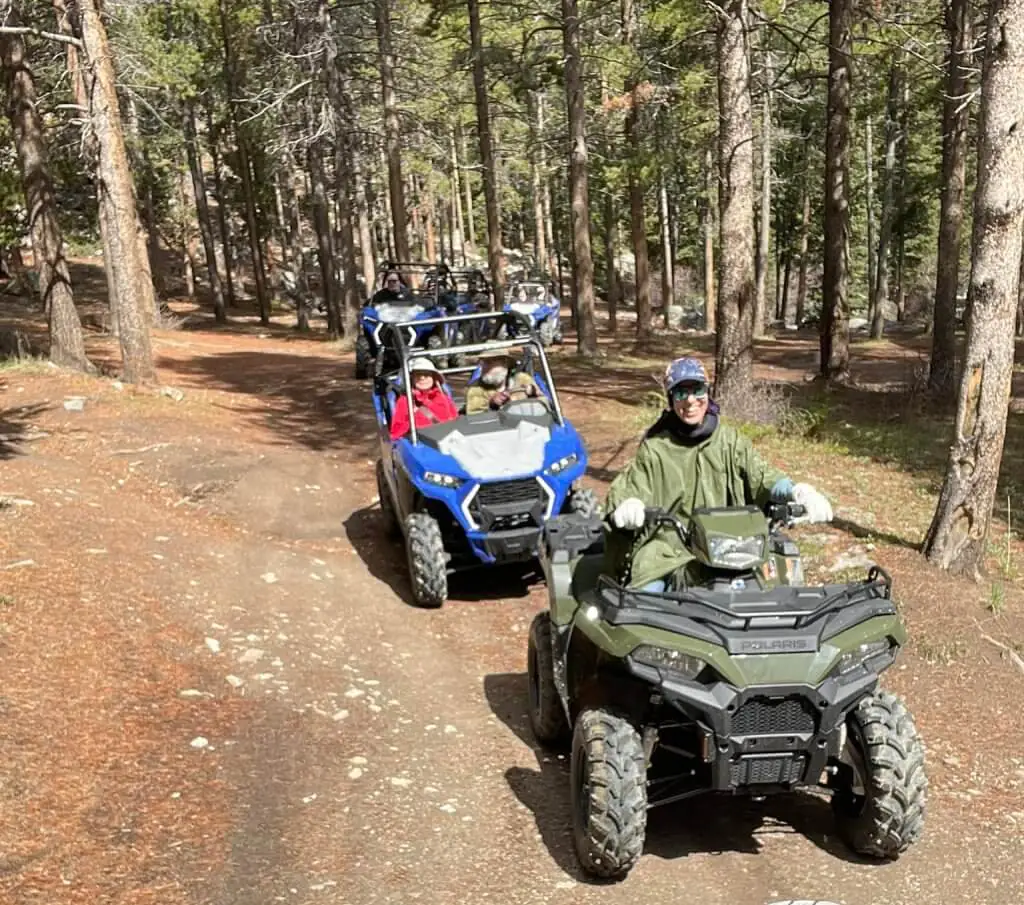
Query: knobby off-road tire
{"type": "Point", "coordinates": [584, 502]}
{"type": "Point", "coordinates": [428, 564]}
{"type": "Point", "coordinates": [436, 342]}
{"type": "Point", "coordinates": [609, 793]}
{"type": "Point", "coordinates": [387, 508]}
{"type": "Point", "coordinates": [889, 818]}
{"type": "Point", "coordinates": [547, 718]}
{"type": "Point", "coordinates": [546, 331]}
{"type": "Point", "coordinates": [363, 357]}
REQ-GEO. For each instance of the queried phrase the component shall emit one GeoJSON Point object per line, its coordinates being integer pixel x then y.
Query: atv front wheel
{"type": "Point", "coordinates": [387, 507]}
{"type": "Point", "coordinates": [428, 563]}
{"type": "Point", "coordinates": [546, 331]}
{"type": "Point", "coordinates": [547, 718]}
{"type": "Point", "coordinates": [881, 813]}
{"type": "Point", "coordinates": [363, 357]}
{"type": "Point", "coordinates": [583, 502]}
{"type": "Point", "coordinates": [609, 793]}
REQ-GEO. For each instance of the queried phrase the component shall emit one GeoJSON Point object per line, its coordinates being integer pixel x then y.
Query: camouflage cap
{"type": "Point", "coordinates": [684, 370]}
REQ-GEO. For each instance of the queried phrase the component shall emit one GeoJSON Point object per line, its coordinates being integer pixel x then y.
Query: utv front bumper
{"type": "Point", "coordinates": [763, 738]}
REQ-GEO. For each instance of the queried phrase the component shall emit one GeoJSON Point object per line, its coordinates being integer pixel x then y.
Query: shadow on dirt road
{"type": "Point", "coordinates": [713, 824]}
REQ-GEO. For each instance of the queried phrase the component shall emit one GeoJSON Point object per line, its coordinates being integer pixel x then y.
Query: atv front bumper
{"type": "Point", "coordinates": [763, 738]}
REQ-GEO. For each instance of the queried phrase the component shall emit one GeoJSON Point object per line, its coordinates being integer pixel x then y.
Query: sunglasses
{"type": "Point", "coordinates": [697, 391]}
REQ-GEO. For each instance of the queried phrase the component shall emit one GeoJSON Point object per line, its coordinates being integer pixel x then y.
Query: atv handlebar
{"type": "Point", "coordinates": [784, 513]}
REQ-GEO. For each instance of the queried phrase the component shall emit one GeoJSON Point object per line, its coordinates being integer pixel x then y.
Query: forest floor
{"type": "Point", "coordinates": [216, 691]}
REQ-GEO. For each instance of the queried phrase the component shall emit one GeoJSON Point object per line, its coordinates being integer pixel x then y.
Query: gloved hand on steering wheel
{"type": "Point", "coordinates": [629, 515]}
{"type": "Point", "coordinates": [818, 509]}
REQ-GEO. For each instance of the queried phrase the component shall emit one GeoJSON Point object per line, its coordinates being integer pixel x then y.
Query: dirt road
{"type": "Point", "coordinates": [217, 692]}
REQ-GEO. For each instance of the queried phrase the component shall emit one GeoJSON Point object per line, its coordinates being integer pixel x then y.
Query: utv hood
{"type": "Point", "coordinates": [498, 453]}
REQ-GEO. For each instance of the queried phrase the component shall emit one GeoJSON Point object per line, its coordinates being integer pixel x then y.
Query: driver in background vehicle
{"type": "Point", "coordinates": [497, 385]}
{"type": "Point", "coordinates": [687, 460]}
{"type": "Point", "coordinates": [391, 290]}
{"type": "Point", "coordinates": [432, 404]}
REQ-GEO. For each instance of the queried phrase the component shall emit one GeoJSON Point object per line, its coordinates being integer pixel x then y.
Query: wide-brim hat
{"type": "Point", "coordinates": [425, 366]}
{"type": "Point", "coordinates": [495, 355]}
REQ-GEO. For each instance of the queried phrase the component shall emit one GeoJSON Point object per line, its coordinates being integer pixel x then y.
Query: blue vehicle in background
{"type": "Point", "coordinates": [536, 300]}
{"type": "Point", "coordinates": [476, 491]}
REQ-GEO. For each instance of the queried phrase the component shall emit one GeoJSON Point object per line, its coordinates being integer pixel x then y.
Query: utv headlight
{"type": "Point", "coordinates": [441, 480]}
{"type": "Point", "coordinates": [563, 463]}
{"type": "Point", "coordinates": [860, 655]}
{"type": "Point", "coordinates": [673, 661]}
{"type": "Point", "coordinates": [736, 552]}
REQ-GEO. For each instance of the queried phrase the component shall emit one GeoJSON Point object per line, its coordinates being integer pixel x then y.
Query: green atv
{"type": "Point", "coordinates": [743, 680]}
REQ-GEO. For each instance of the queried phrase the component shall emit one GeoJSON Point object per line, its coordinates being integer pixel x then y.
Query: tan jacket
{"type": "Point", "coordinates": [478, 397]}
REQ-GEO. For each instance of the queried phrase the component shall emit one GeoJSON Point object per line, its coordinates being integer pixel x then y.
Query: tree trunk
{"type": "Point", "coordinates": [708, 229]}
{"type": "Point", "coordinates": [117, 195]}
{"type": "Point", "coordinates": [765, 220]}
{"type": "Point", "coordinates": [322, 226]}
{"type": "Point", "coordinates": [805, 231]}
{"type": "Point", "coordinates": [457, 185]}
{"type": "Point", "coordinates": [880, 290]}
{"type": "Point", "coordinates": [223, 218]}
{"type": "Point", "coordinates": [467, 189]}
{"type": "Point", "coordinates": [139, 161]}
{"type": "Point", "coordinates": [294, 234]}
{"type": "Point", "coordinates": [583, 261]}
{"type": "Point", "coordinates": [366, 249]}
{"type": "Point", "coordinates": [611, 245]}
{"type": "Point", "coordinates": [955, 123]}
{"type": "Point", "coordinates": [734, 352]}
{"type": "Point", "coordinates": [249, 196]}
{"type": "Point", "coordinates": [392, 130]}
{"type": "Point", "coordinates": [203, 211]}
{"type": "Point", "coordinates": [537, 184]}
{"type": "Point", "coordinates": [638, 227]}
{"type": "Point", "coordinates": [835, 313]}
{"type": "Point", "coordinates": [1020, 300]}
{"type": "Point", "coordinates": [958, 536]}
{"type": "Point", "coordinates": [668, 288]}
{"type": "Point", "coordinates": [869, 167]}
{"type": "Point", "coordinates": [340, 97]}
{"type": "Point", "coordinates": [67, 346]}
{"type": "Point", "coordinates": [786, 309]}
{"type": "Point", "coordinates": [495, 257]}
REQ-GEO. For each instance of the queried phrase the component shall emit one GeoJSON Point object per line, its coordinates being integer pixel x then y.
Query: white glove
{"type": "Point", "coordinates": [818, 508]}
{"type": "Point", "coordinates": [629, 514]}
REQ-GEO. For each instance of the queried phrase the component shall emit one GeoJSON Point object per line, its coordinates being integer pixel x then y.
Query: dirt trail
{"type": "Point", "coordinates": [243, 708]}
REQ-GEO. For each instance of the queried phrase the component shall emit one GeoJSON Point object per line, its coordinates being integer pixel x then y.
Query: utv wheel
{"type": "Point", "coordinates": [886, 815]}
{"type": "Point", "coordinates": [428, 563]}
{"type": "Point", "coordinates": [583, 502]}
{"type": "Point", "coordinates": [387, 507]}
{"type": "Point", "coordinates": [436, 342]}
{"type": "Point", "coordinates": [609, 794]}
{"type": "Point", "coordinates": [546, 331]}
{"type": "Point", "coordinates": [547, 718]}
{"type": "Point", "coordinates": [363, 357]}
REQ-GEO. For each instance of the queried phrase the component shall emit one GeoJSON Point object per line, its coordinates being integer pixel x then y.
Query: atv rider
{"type": "Point", "coordinates": [433, 405]}
{"type": "Point", "coordinates": [687, 460]}
{"type": "Point", "coordinates": [496, 384]}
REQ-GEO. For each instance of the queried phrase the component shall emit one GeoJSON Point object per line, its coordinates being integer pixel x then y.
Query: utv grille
{"type": "Point", "coordinates": [524, 491]}
{"type": "Point", "coordinates": [765, 716]}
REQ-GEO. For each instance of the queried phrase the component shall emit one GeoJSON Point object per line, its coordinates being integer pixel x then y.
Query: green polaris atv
{"type": "Point", "coordinates": [741, 679]}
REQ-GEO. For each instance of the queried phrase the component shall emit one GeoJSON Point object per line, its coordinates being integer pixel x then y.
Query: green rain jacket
{"type": "Point", "coordinates": [680, 474]}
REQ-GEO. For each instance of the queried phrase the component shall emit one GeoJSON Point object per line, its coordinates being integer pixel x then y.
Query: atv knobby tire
{"type": "Point", "coordinates": [889, 817]}
{"type": "Point", "coordinates": [428, 563]}
{"type": "Point", "coordinates": [435, 341]}
{"type": "Point", "coordinates": [547, 718]}
{"type": "Point", "coordinates": [363, 356]}
{"type": "Point", "coordinates": [584, 502]}
{"type": "Point", "coordinates": [609, 793]}
{"type": "Point", "coordinates": [387, 507]}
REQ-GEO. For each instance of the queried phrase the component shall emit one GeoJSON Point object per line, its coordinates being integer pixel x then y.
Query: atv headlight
{"type": "Point", "coordinates": [441, 480]}
{"type": "Point", "coordinates": [673, 661]}
{"type": "Point", "coordinates": [860, 655]}
{"type": "Point", "coordinates": [736, 552]}
{"type": "Point", "coordinates": [563, 463]}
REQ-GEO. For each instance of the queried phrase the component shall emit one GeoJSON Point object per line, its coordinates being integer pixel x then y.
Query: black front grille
{"type": "Point", "coordinates": [764, 716]}
{"type": "Point", "coordinates": [784, 769]}
{"type": "Point", "coordinates": [524, 491]}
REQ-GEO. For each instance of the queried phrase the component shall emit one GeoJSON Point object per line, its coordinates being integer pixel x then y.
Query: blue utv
{"type": "Point", "coordinates": [535, 300]}
{"type": "Point", "coordinates": [476, 491]}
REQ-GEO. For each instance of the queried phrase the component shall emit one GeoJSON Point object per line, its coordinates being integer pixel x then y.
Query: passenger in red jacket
{"type": "Point", "coordinates": [433, 405]}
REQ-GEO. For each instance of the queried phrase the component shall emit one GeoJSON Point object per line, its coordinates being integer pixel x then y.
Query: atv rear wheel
{"type": "Point", "coordinates": [428, 563]}
{"type": "Point", "coordinates": [881, 813]}
{"type": "Point", "coordinates": [547, 718]}
{"type": "Point", "coordinates": [609, 793]}
{"type": "Point", "coordinates": [363, 357]}
{"type": "Point", "coordinates": [387, 507]}
{"type": "Point", "coordinates": [583, 502]}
